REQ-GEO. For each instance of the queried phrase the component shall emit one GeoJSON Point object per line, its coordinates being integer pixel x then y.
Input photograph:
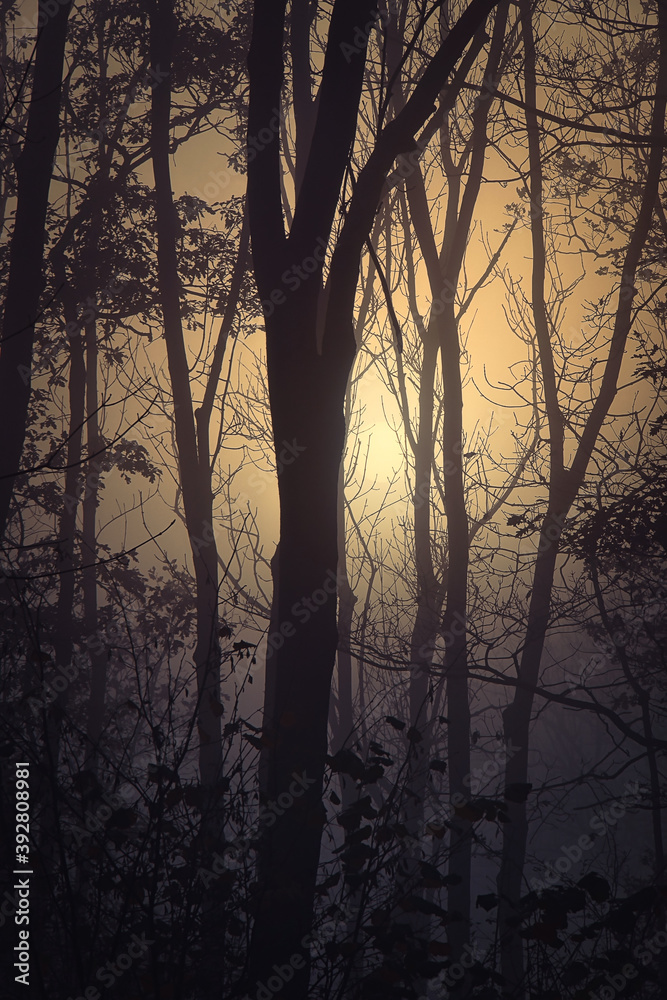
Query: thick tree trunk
{"type": "Point", "coordinates": [309, 364]}
{"type": "Point", "coordinates": [34, 166]}
{"type": "Point", "coordinates": [295, 722]}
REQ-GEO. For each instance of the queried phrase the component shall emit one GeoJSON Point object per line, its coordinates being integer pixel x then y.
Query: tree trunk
{"type": "Point", "coordinates": [25, 284]}
{"type": "Point", "coordinates": [194, 468]}
{"type": "Point", "coordinates": [63, 638]}
{"type": "Point", "coordinates": [98, 655]}
{"type": "Point", "coordinates": [455, 633]}
{"type": "Point", "coordinates": [564, 483]}
{"type": "Point", "coordinates": [309, 363]}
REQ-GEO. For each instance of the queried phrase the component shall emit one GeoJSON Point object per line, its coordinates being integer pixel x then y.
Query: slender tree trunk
{"type": "Point", "coordinates": [194, 468]}
{"type": "Point", "coordinates": [343, 716]}
{"type": "Point", "coordinates": [564, 485]}
{"type": "Point", "coordinates": [444, 271]}
{"type": "Point", "coordinates": [430, 595]}
{"type": "Point", "coordinates": [63, 638]}
{"type": "Point", "coordinates": [34, 166]}
{"type": "Point", "coordinates": [63, 643]}
{"type": "Point", "coordinates": [644, 702]}
{"type": "Point", "coordinates": [455, 633]}
{"type": "Point", "coordinates": [98, 655]}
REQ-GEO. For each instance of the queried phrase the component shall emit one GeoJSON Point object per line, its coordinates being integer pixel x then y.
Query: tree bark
{"type": "Point", "coordinates": [309, 364]}
{"type": "Point", "coordinates": [194, 467]}
{"type": "Point", "coordinates": [564, 484]}
{"type": "Point", "coordinates": [98, 655]}
{"type": "Point", "coordinates": [25, 284]}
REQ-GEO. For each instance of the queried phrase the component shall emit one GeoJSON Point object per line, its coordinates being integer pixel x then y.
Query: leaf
{"type": "Point", "coordinates": [173, 796]}
{"type": "Point", "coordinates": [518, 792]}
{"type": "Point", "coordinates": [471, 811]}
{"type": "Point", "coordinates": [351, 817]}
{"type": "Point", "coordinates": [123, 819]}
{"type": "Point", "coordinates": [544, 932]}
{"type": "Point", "coordinates": [355, 856]}
{"type": "Point", "coordinates": [193, 796]}
{"type": "Point", "coordinates": [158, 773]}
{"type": "Point", "coordinates": [487, 901]}
{"type": "Point", "coordinates": [215, 706]}
{"type": "Point", "coordinates": [574, 973]}
{"type": "Point", "coordinates": [346, 762]}
{"type": "Point", "coordinates": [596, 887]}
{"type": "Point", "coordinates": [328, 883]}
{"type": "Point", "coordinates": [515, 519]}
{"type": "Point", "coordinates": [438, 765]}
{"type": "Point", "coordinates": [393, 721]}
{"type": "Point", "coordinates": [415, 903]}
{"type": "Point", "coordinates": [431, 877]}
{"type": "Point", "coordinates": [372, 773]}
{"type": "Point", "coordinates": [414, 735]}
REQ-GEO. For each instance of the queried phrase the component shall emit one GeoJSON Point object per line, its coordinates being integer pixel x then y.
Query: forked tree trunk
{"type": "Point", "coordinates": [309, 364]}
